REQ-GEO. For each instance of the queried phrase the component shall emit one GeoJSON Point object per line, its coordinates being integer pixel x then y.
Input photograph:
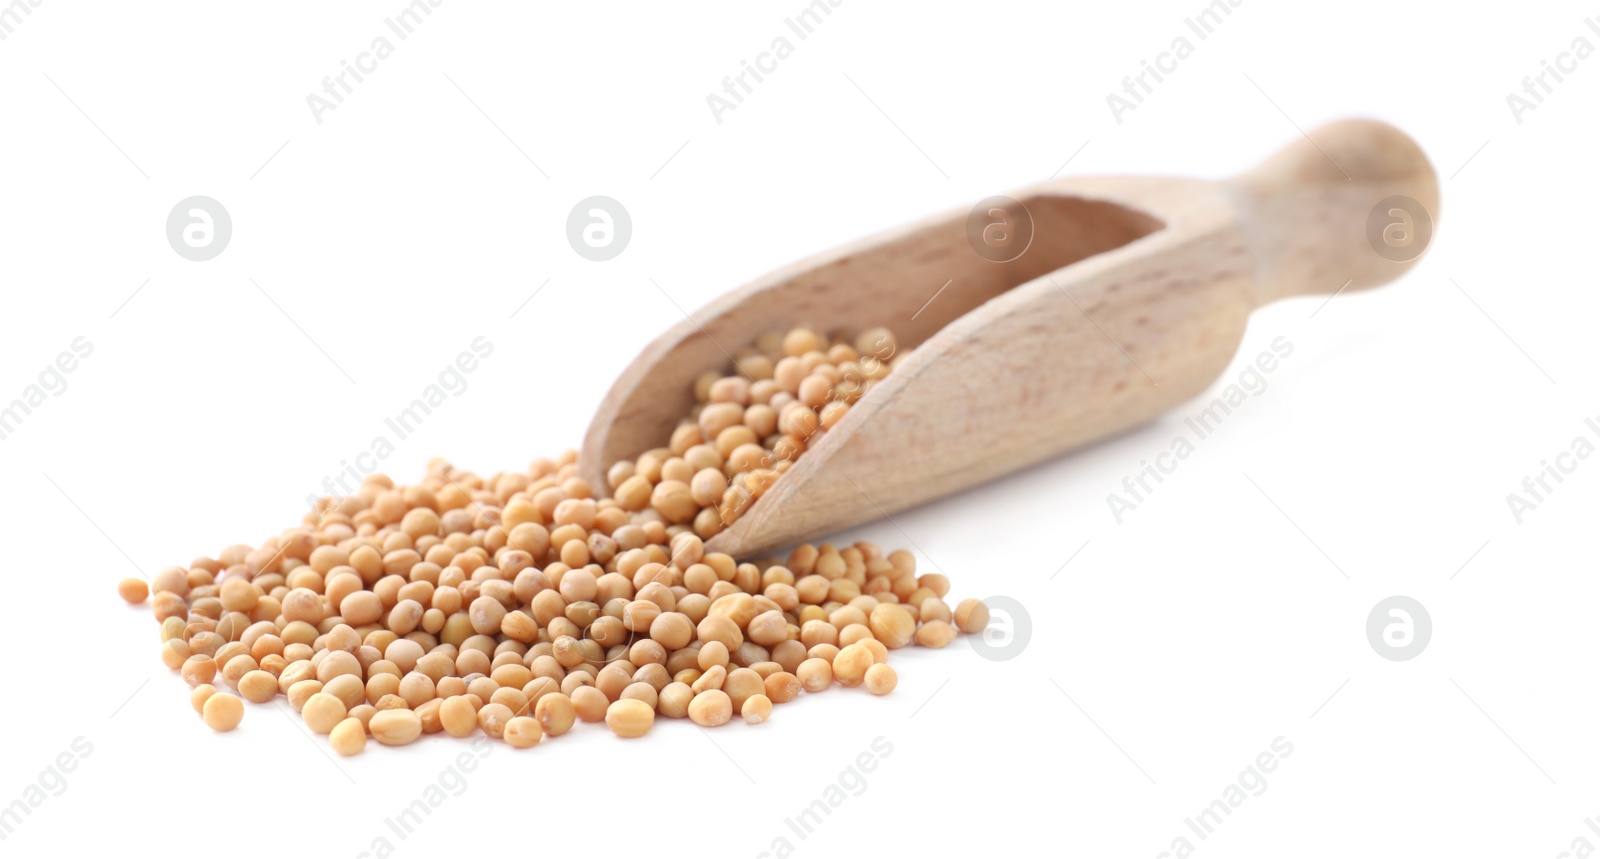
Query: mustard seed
{"type": "Point", "coordinates": [789, 654]}
{"type": "Point", "coordinates": [349, 737]}
{"type": "Point", "coordinates": [222, 712]}
{"type": "Point", "coordinates": [768, 628]}
{"type": "Point", "coordinates": [673, 700]}
{"type": "Point", "coordinates": [197, 698]}
{"type": "Point", "coordinates": [757, 709]}
{"type": "Point", "coordinates": [971, 616]}
{"type": "Point", "coordinates": [522, 732]}
{"type": "Point", "coordinates": [722, 630]}
{"type": "Point", "coordinates": [555, 713]}
{"type": "Point", "coordinates": [816, 674]}
{"type": "Point", "coordinates": [173, 580]}
{"type": "Point", "coordinates": [672, 630]}
{"type": "Point", "coordinates": [322, 712]}
{"type": "Point", "coordinates": [892, 625]}
{"type": "Point", "coordinates": [258, 687]}
{"type": "Point", "coordinates": [458, 716]}
{"type": "Point", "coordinates": [800, 341]}
{"type": "Point", "coordinates": [589, 703]}
{"type": "Point", "coordinates": [742, 683]}
{"type": "Point", "coordinates": [935, 633]}
{"type": "Point", "coordinates": [134, 591]}
{"type": "Point", "coordinates": [881, 679]}
{"type": "Point", "coordinates": [199, 669]}
{"type": "Point", "coordinates": [712, 678]}
{"type": "Point", "coordinates": [519, 603]}
{"type": "Point", "coordinates": [396, 727]}
{"type": "Point", "coordinates": [429, 714]}
{"type": "Point", "coordinates": [674, 500]}
{"type": "Point", "coordinates": [933, 609]}
{"type": "Point", "coordinates": [711, 708]}
{"type": "Point", "coordinates": [854, 633]}
{"type": "Point", "coordinates": [301, 692]}
{"type": "Point", "coordinates": [175, 652]}
{"type": "Point", "coordinates": [712, 653]}
{"type": "Point", "coordinates": [640, 691]}
{"type": "Point", "coordinates": [630, 717]}
{"type": "Point", "coordinates": [880, 653]}
{"type": "Point", "coordinates": [492, 718]}
{"type": "Point", "coordinates": [781, 687]}
{"type": "Point", "coordinates": [850, 666]}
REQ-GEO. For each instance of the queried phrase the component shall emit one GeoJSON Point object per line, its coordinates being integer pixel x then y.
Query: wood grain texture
{"type": "Point", "coordinates": [1132, 298]}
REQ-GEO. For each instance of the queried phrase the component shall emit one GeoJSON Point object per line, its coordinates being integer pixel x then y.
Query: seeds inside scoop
{"type": "Point", "coordinates": [523, 603]}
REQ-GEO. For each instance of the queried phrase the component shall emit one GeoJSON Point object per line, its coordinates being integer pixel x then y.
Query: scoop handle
{"type": "Point", "coordinates": [1350, 206]}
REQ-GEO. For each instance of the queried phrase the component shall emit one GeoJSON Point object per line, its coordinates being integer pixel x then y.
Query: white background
{"type": "Point", "coordinates": [1169, 652]}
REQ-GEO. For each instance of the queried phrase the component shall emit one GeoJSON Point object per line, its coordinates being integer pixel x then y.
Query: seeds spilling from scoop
{"type": "Point", "coordinates": [520, 604]}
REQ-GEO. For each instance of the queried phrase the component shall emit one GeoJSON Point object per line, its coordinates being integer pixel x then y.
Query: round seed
{"type": "Point", "coordinates": [630, 717]}
{"type": "Point", "coordinates": [349, 737]}
{"type": "Point", "coordinates": [712, 678]}
{"type": "Point", "coordinates": [674, 500]}
{"type": "Point", "coordinates": [239, 595]}
{"type": "Point", "coordinates": [768, 628]}
{"type": "Point", "coordinates": [935, 633]}
{"type": "Point", "coordinates": [711, 708]}
{"type": "Point", "coordinates": [971, 616]}
{"type": "Point", "coordinates": [850, 666]}
{"type": "Point", "coordinates": [458, 716]}
{"type": "Point", "coordinates": [712, 653]}
{"type": "Point", "coordinates": [523, 732]}
{"type": "Point", "coordinates": [197, 698]}
{"type": "Point", "coordinates": [135, 591]}
{"type": "Point", "coordinates": [555, 713]}
{"type": "Point", "coordinates": [640, 691]}
{"type": "Point", "coordinates": [672, 630]}
{"type": "Point", "coordinates": [301, 692]}
{"type": "Point", "coordinates": [816, 674]}
{"type": "Point", "coordinates": [881, 679]}
{"type": "Point", "coordinates": [589, 703]}
{"type": "Point", "coordinates": [322, 712]}
{"type": "Point", "coordinates": [781, 687]}
{"type": "Point", "coordinates": [222, 712]}
{"type": "Point", "coordinates": [492, 718]}
{"type": "Point", "coordinates": [892, 625]}
{"type": "Point", "coordinates": [199, 669]}
{"type": "Point", "coordinates": [756, 709]}
{"type": "Point", "coordinates": [673, 701]}
{"type": "Point", "coordinates": [742, 684]}
{"type": "Point", "coordinates": [258, 687]}
{"type": "Point", "coordinates": [396, 727]}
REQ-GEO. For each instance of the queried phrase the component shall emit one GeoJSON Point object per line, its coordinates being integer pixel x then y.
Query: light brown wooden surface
{"type": "Point", "coordinates": [1131, 298]}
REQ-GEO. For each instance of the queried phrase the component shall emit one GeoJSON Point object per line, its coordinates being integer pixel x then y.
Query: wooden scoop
{"type": "Point", "coordinates": [1084, 307]}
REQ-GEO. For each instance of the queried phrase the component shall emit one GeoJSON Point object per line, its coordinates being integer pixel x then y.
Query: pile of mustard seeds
{"type": "Point", "coordinates": [523, 603]}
